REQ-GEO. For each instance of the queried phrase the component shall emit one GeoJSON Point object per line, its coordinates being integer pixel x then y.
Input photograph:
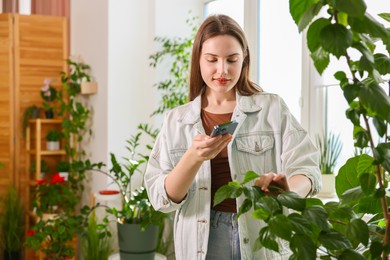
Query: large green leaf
{"type": "Point", "coordinates": [245, 207]}
{"type": "Point", "coordinates": [352, 196]}
{"type": "Point", "coordinates": [385, 16]}
{"type": "Point", "coordinates": [261, 213]}
{"type": "Point", "coordinates": [270, 204]}
{"type": "Point", "coordinates": [382, 63]}
{"type": "Point", "coordinates": [369, 25]}
{"type": "Point", "coordinates": [227, 191]}
{"type": "Point", "coordinates": [351, 7]}
{"type": "Point", "coordinates": [318, 216]}
{"type": "Point", "coordinates": [313, 33]}
{"type": "Point", "coordinates": [357, 232]}
{"type": "Point", "coordinates": [268, 239]}
{"type": "Point", "coordinates": [339, 212]}
{"type": "Point", "coordinates": [347, 176]}
{"type": "Point", "coordinates": [303, 247]}
{"type": "Point", "coordinates": [375, 100]}
{"type": "Point", "coordinates": [351, 92]}
{"type": "Point", "coordinates": [369, 205]}
{"type": "Point", "coordinates": [336, 38]}
{"type": "Point", "coordinates": [368, 182]}
{"type": "Point", "coordinates": [280, 226]}
{"type": "Point", "coordinates": [292, 200]}
{"type": "Point", "coordinates": [334, 240]}
{"type": "Point", "coordinates": [303, 11]}
{"type": "Point", "coordinates": [300, 224]}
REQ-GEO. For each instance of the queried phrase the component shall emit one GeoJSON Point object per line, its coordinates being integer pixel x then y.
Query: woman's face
{"type": "Point", "coordinates": [220, 62]}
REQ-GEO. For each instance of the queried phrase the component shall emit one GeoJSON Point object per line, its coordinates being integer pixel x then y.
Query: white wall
{"type": "Point", "coordinates": [116, 38]}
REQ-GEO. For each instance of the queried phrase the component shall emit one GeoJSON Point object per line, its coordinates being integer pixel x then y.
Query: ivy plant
{"type": "Point", "coordinates": [356, 226]}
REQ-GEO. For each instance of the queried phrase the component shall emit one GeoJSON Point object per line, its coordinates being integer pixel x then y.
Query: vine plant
{"type": "Point", "coordinates": [357, 226]}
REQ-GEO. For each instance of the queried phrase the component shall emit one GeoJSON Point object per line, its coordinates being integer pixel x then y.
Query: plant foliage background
{"type": "Point", "coordinates": [358, 225]}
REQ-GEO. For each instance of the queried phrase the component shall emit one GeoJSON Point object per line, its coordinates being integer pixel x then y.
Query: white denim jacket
{"type": "Point", "coordinates": [268, 138]}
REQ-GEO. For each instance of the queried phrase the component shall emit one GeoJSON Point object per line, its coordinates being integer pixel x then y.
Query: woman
{"type": "Point", "coordinates": [187, 166]}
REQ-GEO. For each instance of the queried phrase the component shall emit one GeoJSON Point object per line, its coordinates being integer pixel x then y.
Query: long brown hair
{"type": "Point", "coordinates": [213, 26]}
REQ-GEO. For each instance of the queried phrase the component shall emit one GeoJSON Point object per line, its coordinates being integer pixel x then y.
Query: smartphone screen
{"type": "Point", "coordinates": [224, 128]}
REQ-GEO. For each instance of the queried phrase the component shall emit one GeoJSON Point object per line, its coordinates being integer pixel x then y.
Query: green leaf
{"type": "Point", "coordinates": [313, 33]}
{"type": "Point", "coordinates": [368, 182]}
{"type": "Point", "coordinates": [321, 59]}
{"type": "Point", "coordinates": [245, 207]}
{"type": "Point", "coordinates": [369, 205]}
{"type": "Point", "coordinates": [347, 176]}
{"type": "Point", "coordinates": [336, 38]}
{"type": "Point", "coordinates": [385, 16]}
{"type": "Point", "coordinates": [280, 226]}
{"type": "Point", "coordinates": [352, 195]}
{"type": "Point", "coordinates": [267, 239]}
{"type": "Point", "coordinates": [334, 240]}
{"type": "Point", "coordinates": [300, 224]}
{"type": "Point", "coordinates": [380, 126]}
{"type": "Point", "coordinates": [261, 213]}
{"type": "Point", "coordinates": [226, 191]}
{"type": "Point", "coordinates": [382, 63]}
{"type": "Point", "coordinates": [270, 204]}
{"type": "Point", "coordinates": [292, 200]}
{"type": "Point", "coordinates": [351, 7]}
{"type": "Point", "coordinates": [382, 153]}
{"type": "Point", "coordinates": [369, 25]}
{"type": "Point", "coordinates": [318, 216]}
{"type": "Point", "coordinates": [351, 92]}
{"type": "Point", "coordinates": [303, 247]}
{"type": "Point", "coordinates": [357, 232]}
{"type": "Point", "coordinates": [249, 176]}
{"type": "Point", "coordinates": [349, 254]}
{"type": "Point", "coordinates": [375, 100]}
{"type": "Point", "coordinates": [303, 11]}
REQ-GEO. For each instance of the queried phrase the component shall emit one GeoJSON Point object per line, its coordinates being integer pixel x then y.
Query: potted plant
{"type": "Point", "coordinates": [45, 168]}
{"type": "Point", "coordinates": [11, 224]}
{"type": "Point", "coordinates": [330, 147]}
{"type": "Point", "coordinates": [63, 167]}
{"type": "Point", "coordinates": [53, 140]}
{"type": "Point", "coordinates": [30, 112]}
{"type": "Point", "coordinates": [138, 224]}
{"type": "Point", "coordinates": [49, 95]}
{"type": "Point", "coordinates": [357, 226]}
{"type": "Point", "coordinates": [55, 237]}
{"type": "Point", "coordinates": [53, 197]}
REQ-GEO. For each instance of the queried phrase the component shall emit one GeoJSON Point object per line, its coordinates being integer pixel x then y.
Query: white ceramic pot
{"type": "Point", "coordinates": [52, 146]}
{"type": "Point", "coordinates": [328, 186]}
{"type": "Point", "coordinates": [64, 174]}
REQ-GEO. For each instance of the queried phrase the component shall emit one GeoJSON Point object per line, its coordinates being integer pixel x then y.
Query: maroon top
{"type": "Point", "coordinates": [220, 171]}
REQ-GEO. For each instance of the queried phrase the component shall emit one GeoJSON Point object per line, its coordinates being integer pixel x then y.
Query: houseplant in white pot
{"type": "Point", "coordinates": [53, 138]}
{"type": "Point", "coordinates": [330, 147]}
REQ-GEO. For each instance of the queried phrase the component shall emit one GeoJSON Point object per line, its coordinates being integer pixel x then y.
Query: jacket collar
{"type": "Point", "coordinates": [245, 104]}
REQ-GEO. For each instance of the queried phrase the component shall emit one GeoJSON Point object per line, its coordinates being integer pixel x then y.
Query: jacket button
{"type": "Point", "coordinates": [203, 188]}
{"type": "Point", "coordinates": [246, 240]}
{"type": "Point", "coordinates": [235, 176]}
{"type": "Point", "coordinates": [202, 221]}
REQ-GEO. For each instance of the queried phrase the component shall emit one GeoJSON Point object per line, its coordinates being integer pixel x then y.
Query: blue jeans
{"type": "Point", "coordinates": [224, 241]}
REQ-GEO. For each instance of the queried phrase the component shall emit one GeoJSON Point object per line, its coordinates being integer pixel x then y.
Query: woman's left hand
{"type": "Point", "coordinates": [272, 179]}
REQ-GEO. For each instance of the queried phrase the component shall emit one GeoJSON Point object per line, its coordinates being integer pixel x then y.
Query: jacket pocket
{"type": "Point", "coordinates": [255, 153]}
{"type": "Point", "coordinates": [175, 155]}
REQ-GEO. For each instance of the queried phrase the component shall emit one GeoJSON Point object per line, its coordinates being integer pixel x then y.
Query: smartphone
{"type": "Point", "coordinates": [224, 128]}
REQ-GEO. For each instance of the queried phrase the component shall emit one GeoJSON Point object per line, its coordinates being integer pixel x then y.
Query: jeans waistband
{"type": "Point", "coordinates": [223, 217]}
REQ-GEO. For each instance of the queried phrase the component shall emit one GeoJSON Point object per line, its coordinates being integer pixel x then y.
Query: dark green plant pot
{"type": "Point", "coordinates": [13, 255]}
{"type": "Point", "coordinates": [135, 244]}
{"type": "Point", "coordinates": [49, 114]}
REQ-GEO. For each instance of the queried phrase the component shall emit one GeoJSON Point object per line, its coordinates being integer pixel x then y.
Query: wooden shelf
{"type": "Point", "coordinates": [46, 152]}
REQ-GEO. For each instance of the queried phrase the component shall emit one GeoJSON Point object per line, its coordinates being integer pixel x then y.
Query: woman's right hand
{"type": "Point", "coordinates": [205, 148]}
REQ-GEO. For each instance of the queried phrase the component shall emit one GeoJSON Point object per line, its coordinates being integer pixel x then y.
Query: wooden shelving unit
{"type": "Point", "coordinates": [35, 147]}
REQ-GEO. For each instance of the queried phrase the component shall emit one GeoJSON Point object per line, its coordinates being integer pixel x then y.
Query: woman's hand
{"type": "Point", "coordinates": [205, 147]}
{"type": "Point", "coordinates": [272, 179]}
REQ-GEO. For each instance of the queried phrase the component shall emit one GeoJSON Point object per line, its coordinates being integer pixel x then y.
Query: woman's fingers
{"type": "Point", "coordinates": [208, 147]}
